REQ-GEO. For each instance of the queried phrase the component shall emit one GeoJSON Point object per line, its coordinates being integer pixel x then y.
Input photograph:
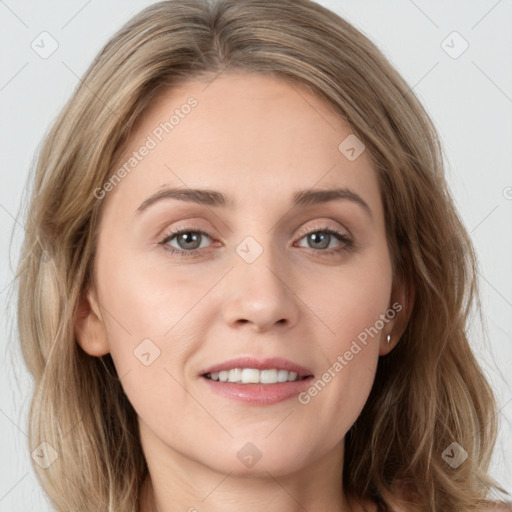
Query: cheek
{"type": "Point", "coordinates": [352, 298]}
{"type": "Point", "coordinates": [153, 324]}
{"type": "Point", "coordinates": [148, 298]}
{"type": "Point", "coordinates": [354, 310]}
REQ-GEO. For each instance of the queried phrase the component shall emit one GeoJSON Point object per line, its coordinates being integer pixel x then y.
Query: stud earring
{"type": "Point", "coordinates": [388, 339]}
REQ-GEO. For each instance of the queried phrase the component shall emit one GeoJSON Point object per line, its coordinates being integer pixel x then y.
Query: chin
{"type": "Point", "coordinates": [257, 456]}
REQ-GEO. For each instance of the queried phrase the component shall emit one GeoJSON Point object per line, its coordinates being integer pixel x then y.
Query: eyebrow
{"type": "Point", "coordinates": [214, 198]}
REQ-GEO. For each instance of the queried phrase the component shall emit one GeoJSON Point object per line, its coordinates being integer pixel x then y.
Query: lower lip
{"type": "Point", "coordinates": [258, 394]}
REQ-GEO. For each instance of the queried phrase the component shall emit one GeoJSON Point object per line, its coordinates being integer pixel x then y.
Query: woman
{"type": "Point", "coordinates": [244, 281]}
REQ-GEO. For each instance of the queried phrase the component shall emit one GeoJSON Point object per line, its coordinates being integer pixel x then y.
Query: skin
{"type": "Point", "coordinates": [258, 139]}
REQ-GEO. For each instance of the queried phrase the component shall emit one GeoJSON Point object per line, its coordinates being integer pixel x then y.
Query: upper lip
{"type": "Point", "coordinates": [260, 364]}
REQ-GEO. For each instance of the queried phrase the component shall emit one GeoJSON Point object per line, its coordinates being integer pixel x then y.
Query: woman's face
{"type": "Point", "coordinates": [238, 165]}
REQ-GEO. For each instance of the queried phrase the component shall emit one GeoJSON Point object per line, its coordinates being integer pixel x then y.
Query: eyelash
{"type": "Point", "coordinates": [348, 243]}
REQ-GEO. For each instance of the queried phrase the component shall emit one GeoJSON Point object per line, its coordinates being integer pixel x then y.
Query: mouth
{"type": "Point", "coordinates": [257, 382]}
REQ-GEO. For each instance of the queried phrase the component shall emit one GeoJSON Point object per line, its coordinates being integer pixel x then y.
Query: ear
{"type": "Point", "coordinates": [90, 330]}
{"type": "Point", "coordinates": [402, 296]}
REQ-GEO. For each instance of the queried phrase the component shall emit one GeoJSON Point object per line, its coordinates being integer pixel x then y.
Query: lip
{"type": "Point", "coordinates": [258, 394]}
{"type": "Point", "coordinates": [277, 363]}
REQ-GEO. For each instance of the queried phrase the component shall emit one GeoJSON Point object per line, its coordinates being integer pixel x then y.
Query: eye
{"type": "Point", "coordinates": [188, 240]}
{"type": "Point", "coordinates": [321, 238]}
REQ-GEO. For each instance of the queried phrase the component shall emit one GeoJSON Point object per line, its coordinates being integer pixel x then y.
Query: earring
{"type": "Point", "coordinates": [388, 339]}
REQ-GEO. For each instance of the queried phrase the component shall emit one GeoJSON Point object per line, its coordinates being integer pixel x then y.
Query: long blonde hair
{"type": "Point", "coordinates": [429, 391]}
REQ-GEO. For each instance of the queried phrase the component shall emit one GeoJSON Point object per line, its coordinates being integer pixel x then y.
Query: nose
{"type": "Point", "coordinates": [260, 294]}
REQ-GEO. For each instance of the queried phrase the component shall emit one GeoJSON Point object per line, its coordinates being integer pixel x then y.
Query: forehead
{"type": "Point", "coordinates": [254, 136]}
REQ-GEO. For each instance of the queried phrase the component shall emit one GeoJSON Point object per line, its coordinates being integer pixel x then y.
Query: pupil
{"type": "Point", "coordinates": [322, 237]}
{"type": "Point", "coordinates": [189, 238]}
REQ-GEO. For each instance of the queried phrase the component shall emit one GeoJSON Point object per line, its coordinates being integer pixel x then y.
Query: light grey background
{"type": "Point", "coordinates": [468, 97]}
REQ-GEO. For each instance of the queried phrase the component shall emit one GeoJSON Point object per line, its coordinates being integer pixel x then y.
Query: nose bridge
{"type": "Point", "coordinates": [258, 289]}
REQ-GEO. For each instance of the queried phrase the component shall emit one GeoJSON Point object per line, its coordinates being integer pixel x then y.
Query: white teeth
{"type": "Point", "coordinates": [292, 376]}
{"type": "Point", "coordinates": [235, 375]}
{"type": "Point", "coordinates": [282, 376]}
{"type": "Point", "coordinates": [250, 376]}
{"type": "Point", "coordinates": [268, 376]}
{"type": "Point", "coordinates": [254, 376]}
